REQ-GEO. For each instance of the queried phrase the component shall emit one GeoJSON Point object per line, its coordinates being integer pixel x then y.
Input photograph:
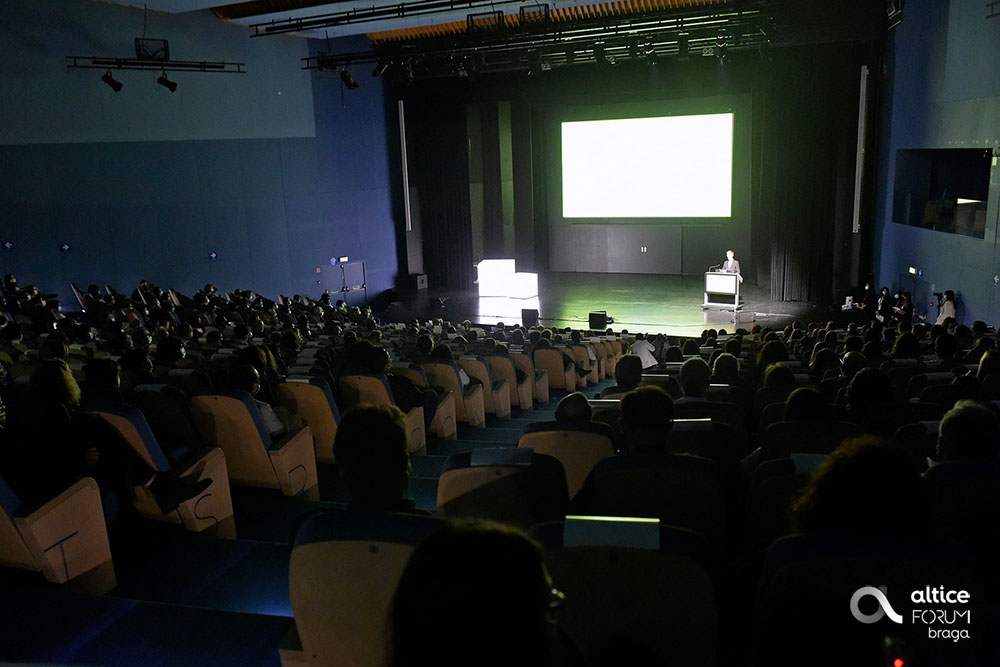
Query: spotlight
{"type": "Point", "coordinates": [110, 80]}
{"type": "Point", "coordinates": [348, 80]}
{"type": "Point", "coordinates": [381, 67]}
{"type": "Point", "coordinates": [167, 83]}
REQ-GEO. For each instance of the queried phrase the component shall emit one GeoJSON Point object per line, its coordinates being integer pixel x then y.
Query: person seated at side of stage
{"type": "Point", "coordinates": [695, 376]}
{"type": "Point", "coordinates": [628, 375]}
{"type": "Point", "coordinates": [370, 447]}
{"type": "Point", "coordinates": [967, 432]}
{"type": "Point", "coordinates": [643, 349]}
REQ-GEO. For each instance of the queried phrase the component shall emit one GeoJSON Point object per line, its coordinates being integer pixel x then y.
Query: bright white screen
{"type": "Point", "coordinates": [664, 167]}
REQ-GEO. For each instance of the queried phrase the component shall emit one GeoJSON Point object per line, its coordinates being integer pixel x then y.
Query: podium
{"type": "Point", "coordinates": [722, 290]}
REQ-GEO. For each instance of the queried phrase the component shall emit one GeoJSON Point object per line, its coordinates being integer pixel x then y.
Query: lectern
{"type": "Point", "coordinates": [722, 290]}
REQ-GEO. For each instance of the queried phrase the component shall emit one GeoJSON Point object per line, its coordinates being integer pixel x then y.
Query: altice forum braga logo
{"type": "Point", "coordinates": [951, 623]}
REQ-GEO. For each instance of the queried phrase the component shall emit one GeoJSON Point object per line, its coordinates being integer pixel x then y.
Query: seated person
{"type": "Point", "coordinates": [695, 378]}
{"type": "Point", "coordinates": [726, 370]}
{"type": "Point", "coordinates": [406, 394]}
{"type": "Point", "coordinates": [628, 375]}
{"type": "Point", "coordinates": [442, 354]}
{"type": "Point", "coordinates": [573, 408]}
{"type": "Point", "coordinates": [370, 447]}
{"type": "Point", "coordinates": [646, 421]}
{"type": "Point", "coordinates": [643, 349]}
{"type": "Point", "coordinates": [278, 421]}
{"type": "Point", "coordinates": [488, 585]}
{"type": "Point", "coordinates": [968, 431]}
{"type": "Point", "coordinates": [806, 404]}
{"type": "Point", "coordinates": [893, 502]}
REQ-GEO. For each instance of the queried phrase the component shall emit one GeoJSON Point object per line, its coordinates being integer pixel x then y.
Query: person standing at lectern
{"type": "Point", "coordinates": [732, 265]}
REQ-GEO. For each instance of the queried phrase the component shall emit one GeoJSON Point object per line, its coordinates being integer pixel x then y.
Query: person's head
{"type": "Point", "coordinates": [968, 431]}
{"type": "Point", "coordinates": [822, 360]}
{"type": "Point", "coordinates": [945, 347]}
{"type": "Point", "coordinates": [907, 346]}
{"type": "Point", "coordinates": [868, 393]}
{"type": "Point", "coordinates": [425, 343]}
{"type": "Point", "coordinates": [170, 350]}
{"type": "Point", "coordinates": [989, 364]}
{"type": "Point", "coordinates": [695, 377]}
{"type": "Point", "coordinates": [779, 375]}
{"type": "Point", "coordinates": [53, 381]}
{"type": "Point", "coordinates": [573, 407]}
{"type": "Point", "coordinates": [245, 378]}
{"type": "Point", "coordinates": [647, 417]}
{"type": "Point", "coordinates": [673, 354]}
{"type": "Point", "coordinates": [487, 584]}
{"type": "Point", "coordinates": [852, 363]}
{"type": "Point", "coordinates": [690, 348]}
{"type": "Point", "coordinates": [726, 367]}
{"type": "Point", "coordinates": [54, 347]}
{"type": "Point", "coordinates": [806, 404]}
{"type": "Point", "coordinates": [771, 353]}
{"type": "Point", "coordinates": [868, 486]}
{"type": "Point", "coordinates": [730, 254]}
{"type": "Point", "coordinates": [103, 372]}
{"type": "Point", "coordinates": [370, 448]}
{"type": "Point", "coordinates": [442, 352]}
{"type": "Point", "coordinates": [628, 371]}
{"type": "Point", "coordinates": [376, 360]}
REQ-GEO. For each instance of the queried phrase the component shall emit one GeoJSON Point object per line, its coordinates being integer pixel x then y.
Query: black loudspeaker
{"type": "Point", "coordinates": [599, 320]}
{"type": "Point", "coordinates": [529, 317]}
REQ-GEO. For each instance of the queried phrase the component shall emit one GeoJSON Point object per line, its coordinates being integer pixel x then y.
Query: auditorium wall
{"type": "Point", "coordinates": [944, 63]}
{"type": "Point", "coordinates": [273, 170]}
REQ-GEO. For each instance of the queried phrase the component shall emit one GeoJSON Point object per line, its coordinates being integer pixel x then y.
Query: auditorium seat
{"type": "Point", "coordinates": [637, 592]}
{"type": "Point", "coordinates": [581, 357]}
{"type": "Point", "coordinates": [578, 446]}
{"type": "Point", "coordinates": [919, 439]}
{"type": "Point", "coordinates": [803, 612]}
{"type": "Point", "coordinates": [804, 437]}
{"type": "Point", "coordinates": [560, 376]}
{"type": "Point", "coordinates": [965, 505]}
{"type": "Point", "coordinates": [710, 439]}
{"type": "Point", "coordinates": [444, 424]}
{"type": "Point", "coordinates": [232, 422]}
{"type": "Point", "coordinates": [211, 510]}
{"type": "Point", "coordinates": [510, 485]}
{"type": "Point", "coordinates": [728, 413]}
{"type": "Point", "coordinates": [374, 389]}
{"type": "Point", "coordinates": [774, 486]}
{"type": "Point", "coordinates": [312, 400]}
{"type": "Point", "coordinates": [188, 380]}
{"type": "Point", "coordinates": [168, 412]}
{"type": "Point", "coordinates": [65, 539]}
{"type": "Point", "coordinates": [496, 393]}
{"type": "Point", "coordinates": [678, 489]}
{"type": "Point", "coordinates": [502, 368]}
{"type": "Point", "coordinates": [471, 409]}
{"type": "Point", "coordinates": [341, 611]}
{"type": "Point", "coordinates": [537, 377]}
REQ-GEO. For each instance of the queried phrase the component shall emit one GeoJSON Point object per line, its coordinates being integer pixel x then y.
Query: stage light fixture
{"type": "Point", "coordinates": [348, 80]}
{"type": "Point", "coordinates": [721, 47]}
{"type": "Point", "coordinates": [167, 83]}
{"type": "Point", "coordinates": [110, 80]}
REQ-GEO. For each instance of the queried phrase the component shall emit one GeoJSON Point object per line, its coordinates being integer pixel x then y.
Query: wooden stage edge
{"type": "Point", "coordinates": [667, 304]}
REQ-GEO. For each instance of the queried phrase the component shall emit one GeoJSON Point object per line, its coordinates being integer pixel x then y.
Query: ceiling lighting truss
{"type": "Point", "coordinates": [109, 63]}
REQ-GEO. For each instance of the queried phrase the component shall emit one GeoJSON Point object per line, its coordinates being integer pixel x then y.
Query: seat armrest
{"type": "Point", "coordinates": [294, 462]}
{"type": "Point", "coordinates": [67, 536]}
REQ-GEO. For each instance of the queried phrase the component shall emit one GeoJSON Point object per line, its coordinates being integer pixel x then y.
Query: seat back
{"type": "Point", "coordinates": [578, 449]}
{"type": "Point", "coordinates": [188, 380]}
{"type": "Point", "coordinates": [785, 438]}
{"type": "Point", "coordinates": [551, 360]}
{"type": "Point", "coordinates": [808, 581]}
{"type": "Point", "coordinates": [446, 375]}
{"type": "Point", "coordinates": [133, 427]}
{"type": "Point", "coordinates": [509, 485]}
{"type": "Point", "coordinates": [539, 378]}
{"type": "Point", "coordinates": [502, 368]}
{"type": "Point", "coordinates": [374, 389]}
{"type": "Point", "coordinates": [13, 551]}
{"type": "Point", "coordinates": [232, 422]}
{"type": "Point", "coordinates": [341, 612]}
{"type": "Point", "coordinates": [774, 486]}
{"type": "Point", "coordinates": [658, 585]}
{"type": "Point", "coordinates": [678, 489]}
{"type": "Point", "coordinates": [168, 413]}
{"type": "Point", "coordinates": [312, 400]}
{"type": "Point", "coordinates": [493, 401]}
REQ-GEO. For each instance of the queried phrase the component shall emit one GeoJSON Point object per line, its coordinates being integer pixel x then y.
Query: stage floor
{"type": "Point", "coordinates": [646, 303]}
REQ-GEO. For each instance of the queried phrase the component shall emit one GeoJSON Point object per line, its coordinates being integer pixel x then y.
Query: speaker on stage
{"type": "Point", "coordinates": [529, 317]}
{"type": "Point", "coordinates": [599, 320]}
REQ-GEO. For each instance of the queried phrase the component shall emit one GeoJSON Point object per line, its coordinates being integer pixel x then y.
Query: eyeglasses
{"type": "Point", "coordinates": [557, 599]}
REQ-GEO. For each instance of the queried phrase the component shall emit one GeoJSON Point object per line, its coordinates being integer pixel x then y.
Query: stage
{"type": "Point", "coordinates": [668, 304]}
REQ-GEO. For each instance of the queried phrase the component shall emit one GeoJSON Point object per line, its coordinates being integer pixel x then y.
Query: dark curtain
{"type": "Point", "coordinates": [438, 161]}
{"type": "Point", "coordinates": [808, 104]}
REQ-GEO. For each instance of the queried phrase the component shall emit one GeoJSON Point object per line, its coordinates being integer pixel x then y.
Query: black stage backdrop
{"type": "Point", "coordinates": [804, 102]}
